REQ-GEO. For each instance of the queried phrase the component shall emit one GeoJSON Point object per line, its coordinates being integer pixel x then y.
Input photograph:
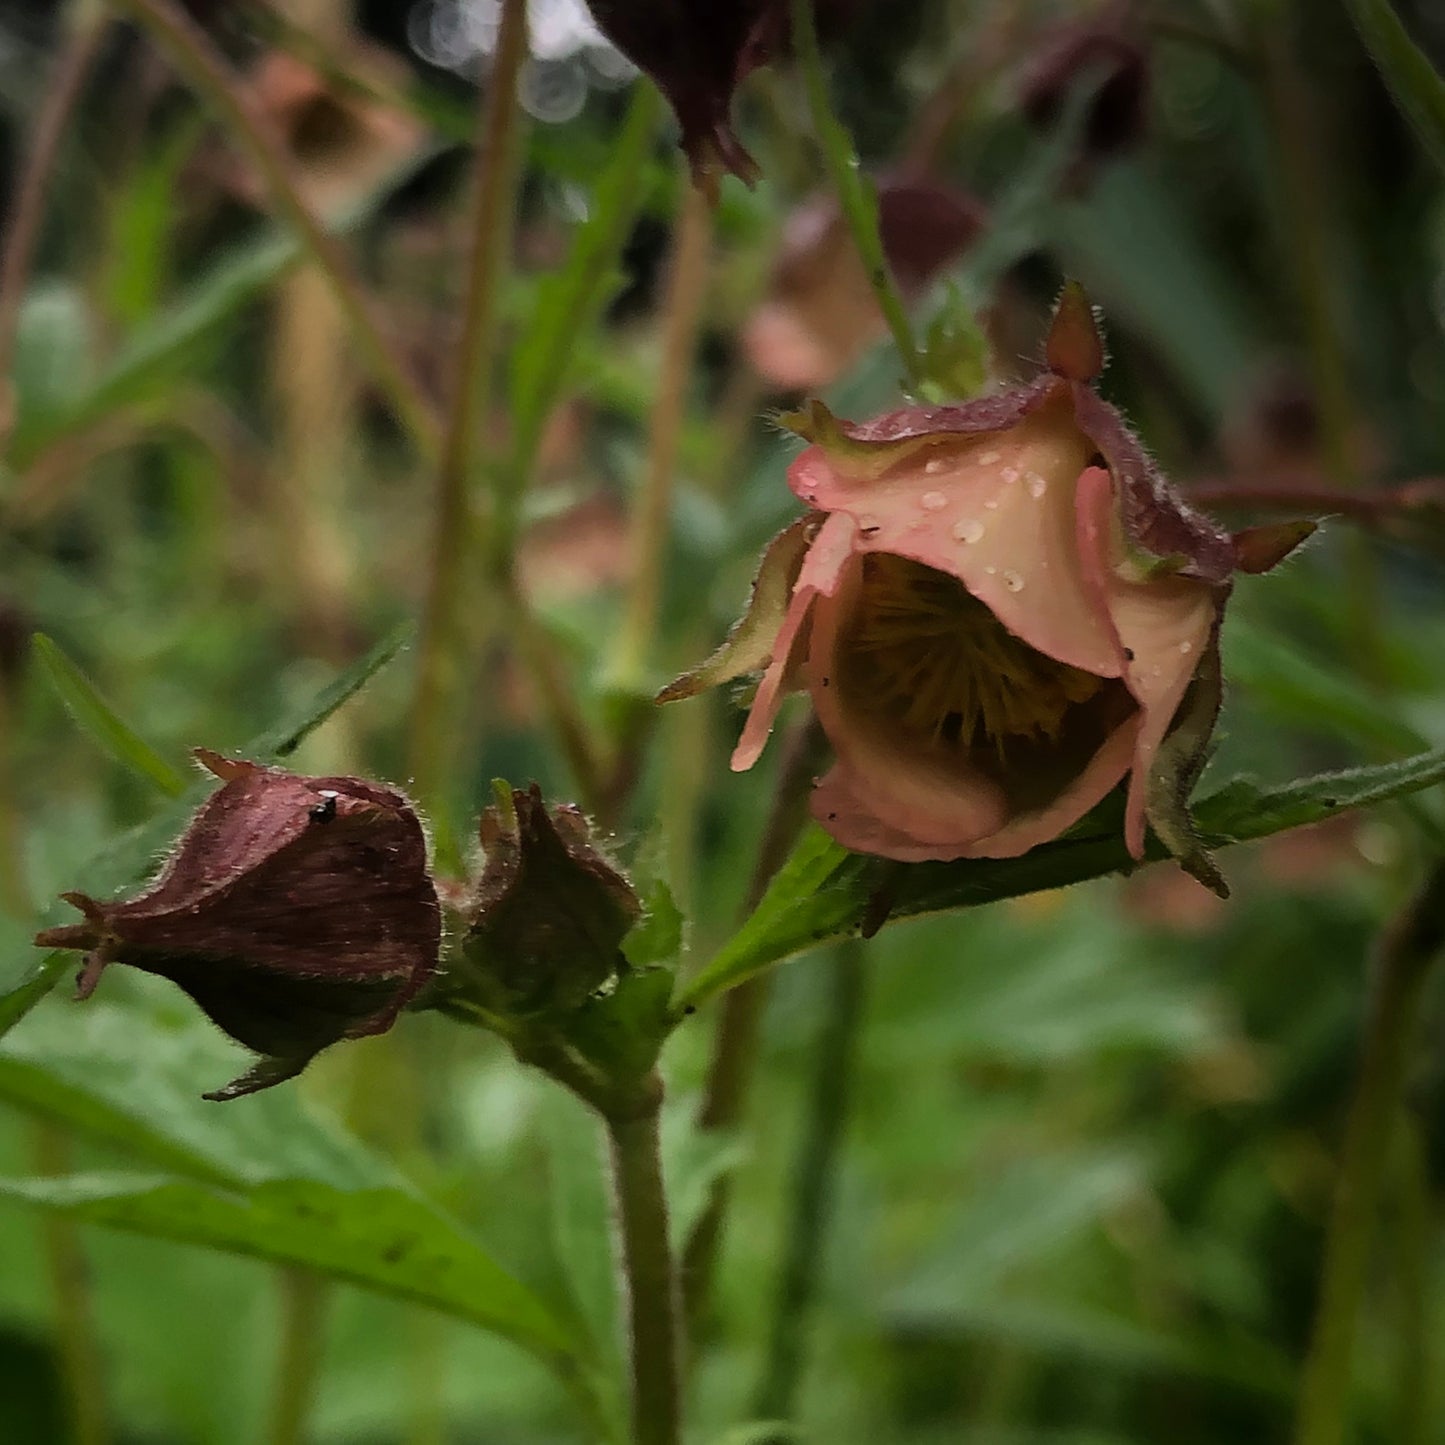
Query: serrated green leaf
{"type": "Point", "coordinates": [824, 893]}
{"type": "Point", "coordinates": [98, 718]}
{"type": "Point", "coordinates": [282, 739]}
{"type": "Point", "coordinates": [1414, 83]}
{"type": "Point", "coordinates": [656, 937]}
{"type": "Point", "coordinates": [383, 1239]}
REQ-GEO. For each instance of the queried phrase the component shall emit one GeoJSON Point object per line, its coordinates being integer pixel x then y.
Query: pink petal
{"type": "Point", "coordinates": [919, 795]}
{"type": "Point", "coordinates": [819, 576]}
{"type": "Point", "coordinates": [902, 801]}
{"type": "Point", "coordinates": [997, 512]}
{"type": "Point", "coordinates": [1161, 626]}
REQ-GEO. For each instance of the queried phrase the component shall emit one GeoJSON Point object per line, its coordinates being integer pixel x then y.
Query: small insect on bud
{"type": "Point", "coordinates": [549, 912]}
{"type": "Point", "coordinates": [295, 911]}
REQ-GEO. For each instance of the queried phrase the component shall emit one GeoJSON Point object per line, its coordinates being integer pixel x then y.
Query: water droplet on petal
{"type": "Point", "coordinates": [935, 466]}
{"type": "Point", "coordinates": [967, 530]}
{"type": "Point", "coordinates": [932, 501]}
{"type": "Point", "coordinates": [868, 525]}
{"type": "Point", "coordinates": [1037, 485]}
{"type": "Point", "coordinates": [990, 570]}
{"type": "Point", "coordinates": [1013, 581]}
{"type": "Point", "coordinates": [987, 459]}
{"type": "Point", "coordinates": [992, 504]}
{"type": "Point", "coordinates": [1186, 648]}
{"type": "Point", "coordinates": [1010, 474]}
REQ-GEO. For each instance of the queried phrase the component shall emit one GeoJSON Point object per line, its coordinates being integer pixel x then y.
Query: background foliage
{"type": "Point", "coordinates": [1090, 1136]}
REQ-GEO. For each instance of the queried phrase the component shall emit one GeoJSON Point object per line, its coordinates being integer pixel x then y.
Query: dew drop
{"type": "Point", "coordinates": [1186, 648]}
{"type": "Point", "coordinates": [1037, 485]}
{"type": "Point", "coordinates": [1010, 474]}
{"type": "Point", "coordinates": [932, 501]}
{"type": "Point", "coordinates": [967, 530]}
{"type": "Point", "coordinates": [1013, 581]}
{"type": "Point", "coordinates": [935, 466]}
{"type": "Point", "coordinates": [987, 459]}
{"type": "Point", "coordinates": [992, 504]}
{"type": "Point", "coordinates": [990, 570]}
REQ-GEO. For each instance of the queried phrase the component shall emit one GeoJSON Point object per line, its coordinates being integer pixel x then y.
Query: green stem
{"type": "Point", "coordinates": [1408, 948]}
{"type": "Point", "coordinates": [652, 512]}
{"type": "Point", "coordinates": [652, 1295]}
{"type": "Point", "coordinates": [1412, 1286]}
{"type": "Point", "coordinates": [80, 1353]}
{"type": "Point", "coordinates": [594, 261]}
{"type": "Point", "coordinates": [303, 1309]}
{"type": "Point", "coordinates": [735, 1046]}
{"type": "Point", "coordinates": [855, 197]}
{"type": "Point", "coordinates": [207, 71]}
{"type": "Point", "coordinates": [438, 663]}
{"type": "Point", "coordinates": [816, 1171]}
{"type": "Point", "coordinates": [27, 206]}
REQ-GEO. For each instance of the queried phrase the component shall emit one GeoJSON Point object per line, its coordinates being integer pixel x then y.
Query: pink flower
{"type": "Point", "coordinates": [1000, 611]}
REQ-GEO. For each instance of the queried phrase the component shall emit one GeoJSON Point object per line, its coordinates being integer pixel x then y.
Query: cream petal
{"type": "Point", "coordinates": [1162, 627]}
{"type": "Point", "coordinates": [818, 577]}
{"type": "Point", "coordinates": [997, 512]}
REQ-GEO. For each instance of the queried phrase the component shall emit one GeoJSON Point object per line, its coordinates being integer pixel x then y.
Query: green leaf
{"type": "Point", "coordinates": [1408, 74]}
{"type": "Point", "coordinates": [18, 1002]}
{"type": "Point", "coordinates": [281, 740]}
{"type": "Point", "coordinates": [824, 893]}
{"type": "Point", "coordinates": [656, 937]}
{"type": "Point", "coordinates": [383, 1239]}
{"type": "Point", "coordinates": [96, 717]}
{"type": "Point", "coordinates": [125, 1079]}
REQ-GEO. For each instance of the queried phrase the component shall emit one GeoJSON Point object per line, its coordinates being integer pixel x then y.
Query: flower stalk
{"type": "Point", "coordinates": [64, 86]}
{"type": "Point", "coordinates": [652, 511]}
{"type": "Point", "coordinates": [816, 1171]}
{"type": "Point", "coordinates": [858, 206]}
{"type": "Point", "coordinates": [206, 70]}
{"type": "Point", "coordinates": [1402, 965]}
{"type": "Point", "coordinates": [653, 1301]}
{"type": "Point", "coordinates": [438, 663]}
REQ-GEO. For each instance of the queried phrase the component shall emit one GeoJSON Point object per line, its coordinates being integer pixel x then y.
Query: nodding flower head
{"type": "Point", "coordinates": [1000, 610]}
{"type": "Point", "coordinates": [295, 911]}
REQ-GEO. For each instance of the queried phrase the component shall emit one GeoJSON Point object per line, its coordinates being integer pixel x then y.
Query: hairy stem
{"type": "Point", "coordinates": [208, 72]}
{"type": "Point", "coordinates": [438, 663]}
{"type": "Point", "coordinates": [303, 1309]}
{"type": "Point", "coordinates": [735, 1045]}
{"type": "Point", "coordinates": [27, 206]}
{"type": "Point", "coordinates": [1401, 966]}
{"type": "Point", "coordinates": [80, 1354]}
{"type": "Point", "coordinates": [687, 282]}
{"type": "Point", "coordinates": [817, 1168]}
{"type": "Point", "coordinates": [652, 1295]}
{"type": "Point", "coordinates": [857, 203]}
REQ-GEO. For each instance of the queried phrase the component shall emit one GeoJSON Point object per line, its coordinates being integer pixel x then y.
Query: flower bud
{"type": "Point", "coordinates": [698, 52]}
{"type": "Point", "coordinates": [549, 913]}
{"type": "Point", "coordinates": [295, 911]}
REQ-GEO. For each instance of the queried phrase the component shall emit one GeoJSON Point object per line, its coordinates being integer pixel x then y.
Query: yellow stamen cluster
{"type": "Point", "coordinates": [923, 653]}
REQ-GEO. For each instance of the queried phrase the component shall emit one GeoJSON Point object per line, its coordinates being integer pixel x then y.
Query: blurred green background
{"type": "Point", "coordinates": [1090, 1136]}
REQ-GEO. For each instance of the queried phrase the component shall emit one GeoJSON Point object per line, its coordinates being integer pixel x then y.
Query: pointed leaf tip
{"type": "Point", "coordinates": [1258, 549]}
{"type": "Point", "coordinates": [1075, 349]}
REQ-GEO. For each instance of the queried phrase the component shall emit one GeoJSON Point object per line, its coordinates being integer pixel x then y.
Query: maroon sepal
{"type": "Point", "coordinates": [295, 911]}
